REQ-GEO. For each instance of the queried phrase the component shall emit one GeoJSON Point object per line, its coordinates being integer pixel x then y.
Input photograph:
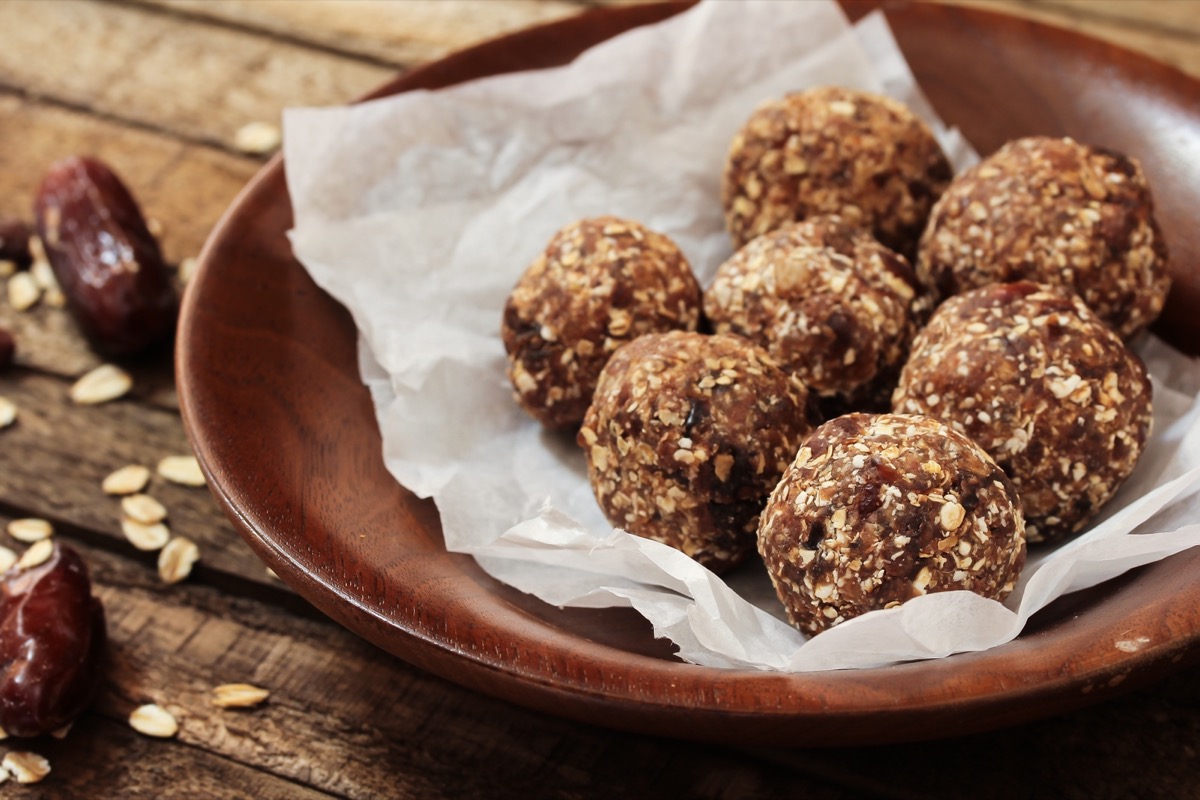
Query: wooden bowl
{"type": "Point", "coordinates": [286, 433]}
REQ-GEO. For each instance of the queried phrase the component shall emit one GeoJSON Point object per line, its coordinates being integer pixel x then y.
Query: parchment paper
{"type": "Point", "coordinates": [419, 212]}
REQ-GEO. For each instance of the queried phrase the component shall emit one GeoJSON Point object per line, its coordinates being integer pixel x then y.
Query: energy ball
{"type": "Point", "coordinates": [829, 302]}
{"type": "Point", "coordinates": [600, 283]}
{"type": "Point", "coordinates": [686, 437]}
{"type": "Point", "coordinates": [1058, 212]}
{"type": "Point", "coordinates": [878, 509]}
{"type": "Point", "coordinates": [1044, 386]}
{"type": "Point", "coordinates": [834, 151]}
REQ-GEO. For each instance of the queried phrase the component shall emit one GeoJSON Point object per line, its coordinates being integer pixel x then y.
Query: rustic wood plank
{"type": "Point", "coordinates": [53, 460]}
{"type": "Point", "coordinates": [1171, 18]}
{"type": "Point", "coordinates": [185, 186]}
{"type": "Point", "coordinates": [401, 34]}
{"type": "Point", "coordinates": [201, 82]}
{"type": "Point", "coordinates": [1181, 52]}
{"type": "Point", "coordinates": [106, 758]}
{"type": "Point", "coordinates": [347, 719]}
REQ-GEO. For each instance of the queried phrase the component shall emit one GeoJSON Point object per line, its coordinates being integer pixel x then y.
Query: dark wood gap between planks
{"type": "Point", "coordinates": [38, 98]}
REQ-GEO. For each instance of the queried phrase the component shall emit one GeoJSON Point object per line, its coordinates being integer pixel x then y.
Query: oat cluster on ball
{"type": "Point", "coordinates": [1053, 211]}
{"type": "Point", "coordinates": [686, 437]}
{"type": "Point", "coordinates": [1044, 386]}
{"type": "Point", "coordinates": [878, 509]}
{"type": "Point", "coordinates": [600, 282]}
{"type": "Point", "coordinates": [839, 151]}
{"type": "Point", "coordinates": [829, 302]}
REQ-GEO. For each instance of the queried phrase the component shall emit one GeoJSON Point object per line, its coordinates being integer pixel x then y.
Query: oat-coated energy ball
{"type": "Point", "coordinates": [829, 302]}
{"type": "Point", "coordinates": [601, 282]}
{"type": "Point", "coordinates": [686, 437]}
{"type": "Point", "coordinates": [878, 509]}
{"type": "Point", "coordinates": [1045, 387]}
{"type": "Point", "coordinates": [834, 151]}
{"type": "Point", "coordinates": [1052, 211]}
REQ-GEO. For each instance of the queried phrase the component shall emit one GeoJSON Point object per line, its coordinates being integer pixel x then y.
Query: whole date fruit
{"type": "Point", "coordinates": [51, 644]}
{"type": "Point", "coordinates": [14, 242]}
{"type": "Point", "coordinates": [106, 260]}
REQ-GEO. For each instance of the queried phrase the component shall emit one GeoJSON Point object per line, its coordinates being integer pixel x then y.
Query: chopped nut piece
{"type": "Point", "coordinates": [8, 412]}
{"type": "Point", "coordinates": [184, 470]}
{"type": "Point", "coordinates": [257, 138]}
{"type": "Point", "coordinates": [952, 515]}
{"type": "Point", "coordinates": [23, 292]}
{"type": "Point", "coordinates": [38, 553]}
{"type": "Point", "coordinates": [238, 695]}
{"type": "Point", "coordinates": [153, 720]}
{"type": "Point", "coordinates": [143, 508]}
{"type": "Point", "coordinates": [30, 530]}
{"type": "Point", "coordinates": [106, 382]}
{"type": "Point", "coordinates": [26, 767]}
{"type": "Point", "coordinates": [127, 480]}
{"type": "Point", "coordinates": [176, 559]}
{"type": "Point", "coordinates": [146, 537]}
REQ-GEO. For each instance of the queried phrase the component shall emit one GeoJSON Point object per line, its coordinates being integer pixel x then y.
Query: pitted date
{"type": "Point", "coordinates": [105, 258]}
{"type": "Point", "coordinates": [14, 242]}
{"type": "Point", "coordinates": [52, 638]}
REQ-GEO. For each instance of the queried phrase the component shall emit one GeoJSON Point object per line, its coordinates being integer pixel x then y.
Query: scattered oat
{"type": "Point", "coordinates": [238, 695]}
{"type": "Point", "coordinates": [127, 480]}
{"type": "Point", "coordinates": [272, 574]}
{"type": "Point", "coordinates": [143, 508]}
{"type": "Point", "coordinates": [7, 559]}
{"type": "Point", "coordinates": [38, 553]}
{"type": "Point", "coordinates": [257, 138]}
{"type": "Point", "coordinates": [8, 412]}
{"type": "Point", "coordinates": [183, 470]}
{"type": "Point", "coordinates": [176, 559]}
{"type": "Point", "coordinates": [23, 292]}
{"type": "Point", "coordinates": [153, 720]}
{"type": "Point", "coordinates": [43, 275]}
{"type": "Point", "coordinates": [187, 268]}
{"type": "Point", "coordinates": [30, 530]}
{"type": "Point", "coordinates": [146, 537]}
{"type": "Point", "coordinates": [106, 382]}
{"type": "Point", "coordinates": [26, 767]}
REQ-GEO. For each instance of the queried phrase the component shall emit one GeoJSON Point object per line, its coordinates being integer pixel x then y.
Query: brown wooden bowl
{"type": "Point", "coordinates": [286, 433]}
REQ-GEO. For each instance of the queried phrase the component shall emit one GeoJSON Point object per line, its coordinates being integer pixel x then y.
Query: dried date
{"type": "Point", "coordinates": [52, 637]}
{"type": "Point", "coordinates": [14, 242]}
{"type": "Point", "coordinates": [105, 258]}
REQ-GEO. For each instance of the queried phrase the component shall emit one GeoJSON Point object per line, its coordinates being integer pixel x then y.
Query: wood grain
{"type": "Point", "coordinates": [398, 34]}
{"type": "Point", "coordinates": [198, 82]}
{"type": "Point", "coordinates": [54, 458]}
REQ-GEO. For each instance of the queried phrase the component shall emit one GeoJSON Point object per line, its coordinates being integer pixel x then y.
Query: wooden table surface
{"type": "Point", "coordinates": [159, 90]}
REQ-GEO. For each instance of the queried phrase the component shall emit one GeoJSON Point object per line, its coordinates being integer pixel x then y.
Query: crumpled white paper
{"type": "Point", "coordinates": [419, 212]}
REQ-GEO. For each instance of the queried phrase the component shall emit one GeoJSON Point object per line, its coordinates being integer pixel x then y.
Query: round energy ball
{"type": "Point", "coordinates": [1045, 387]}
{"type": "Point", "coordinates": [686, 437]}
{"type": "Point", "coordinates": [834, 151]}
{"type": "Point", "coordinates": [601, 282]}
{"type": "Point", "coordinates": [829, 302]}
{"type": "Point", "coordinates": [878, 509]}
{"type": "Point", "coordinates": [1058, 212]}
